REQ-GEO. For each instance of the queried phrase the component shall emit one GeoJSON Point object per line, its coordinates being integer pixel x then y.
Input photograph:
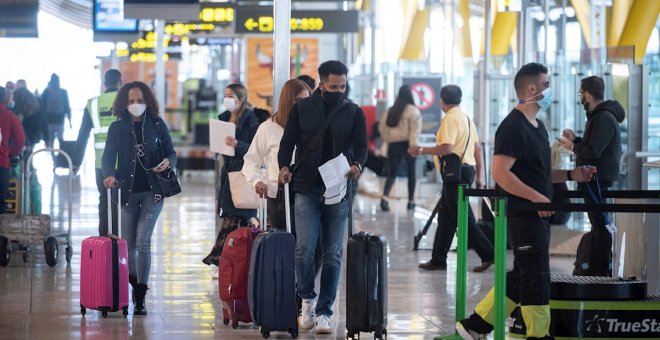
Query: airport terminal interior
{"type": "Point", "coordinates": [189, 51]}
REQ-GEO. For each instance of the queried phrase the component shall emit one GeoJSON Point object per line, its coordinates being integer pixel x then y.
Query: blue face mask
{"type": "Point", "coordinates": [544, 102]}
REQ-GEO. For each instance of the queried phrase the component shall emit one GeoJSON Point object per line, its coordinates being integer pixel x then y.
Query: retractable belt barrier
{"type": "Point", "coordinates": [501, 231]}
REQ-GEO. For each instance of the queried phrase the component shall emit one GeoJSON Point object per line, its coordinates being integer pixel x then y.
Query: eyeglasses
{"type": "Point", "coordinates": [579, 93]}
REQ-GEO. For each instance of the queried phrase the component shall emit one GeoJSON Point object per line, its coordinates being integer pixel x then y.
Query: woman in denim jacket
{"type": "Point", "coordinates": [139, 144]}
{"type": "Point", "coordinates": [238, 111]}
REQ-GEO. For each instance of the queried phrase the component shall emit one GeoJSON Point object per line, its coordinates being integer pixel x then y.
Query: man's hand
{"type": "Point", "coordinates": [261, 189]}
{"type": "Point", "coordinates": [110, 182]}
{"type": "Point", "coordinates": [569, 134]}
{"type": "Point", "coordinates": [354, 173]}
{"type": "Point", "coordinates": [566, 143]}
{"type": "Point", "coordinates": [479, 182]}
{"type": "Point", "coordinates": [414, 151]}
{"type": "Point", "coordinates": [542, 199]}
{"type": "Point", "coordinates": [583, 173]}
{"type": "Point", "coordinates": [284, 176]}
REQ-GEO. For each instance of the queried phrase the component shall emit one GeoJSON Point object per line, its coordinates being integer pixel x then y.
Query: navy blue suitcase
{"type": "Point", "coordinates": [366, 288]}
{"type": "Point", "coordinates": [272, 281]}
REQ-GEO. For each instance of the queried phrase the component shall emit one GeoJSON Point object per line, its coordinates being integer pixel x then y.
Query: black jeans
{"type": "Point", "coordinates": [397, 152]}
{"type": "Point", "coordinates": [448, 220]}
{"type": "Point", "coordinates": [601, 251]}
{"type": "Point", "coordinates": [528, 283]}
{"type": "Point", "coordinates": [4, 188]}
{"type": "Point", "coordinates": [103, 207]}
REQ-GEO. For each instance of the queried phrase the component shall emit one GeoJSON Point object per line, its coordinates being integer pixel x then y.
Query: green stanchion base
{"type": "Point", "coordinates": [449, 337]}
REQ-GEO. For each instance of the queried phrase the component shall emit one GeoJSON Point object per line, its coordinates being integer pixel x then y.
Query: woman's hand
{"type": "Point", "coordinates": [110, 182]}
{"type": "Point", "coordinates": [261, 189]}
{"type": "Point", "coordinates": [231, 141]}
{"type": "Point", "coordinates": [163, 166]}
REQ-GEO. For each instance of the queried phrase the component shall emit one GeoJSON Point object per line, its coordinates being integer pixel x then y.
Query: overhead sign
{"type": "Point", "coordinates": [18, 19]}
{"type": "Point", "coordinates": [260, 20]}
{"type": "Point", "coordinates": [426, 92]}
{"type": "Point", "coordinates": [109, 17]}
{"type": "Point", "coordinates": [216, 13]}
{"type": "Point", "coordinates": [180, 10]}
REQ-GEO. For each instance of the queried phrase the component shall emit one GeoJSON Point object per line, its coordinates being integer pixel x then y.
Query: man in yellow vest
{"type": "Point", "coordinates": [98, 117]}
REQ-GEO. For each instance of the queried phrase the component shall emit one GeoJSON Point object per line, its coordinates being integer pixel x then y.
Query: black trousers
{"type": "Point", "coordinates": [528, 283]}
{"type": "Point", "coordinates": [397, 152]}
{"type": "Point", "coordinates": [448, 221]}
{"type": "Point", "coordinates": [601, 251]}
{"type": "Point", "coordinates": [103, 206]}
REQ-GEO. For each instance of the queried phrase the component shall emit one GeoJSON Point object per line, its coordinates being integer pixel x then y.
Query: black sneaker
{"type": "Point", "coordinates": [431, 266]}
{"type": "Point", "coordinates": [464, 330]}
{"type": "Point", "coordinates": [411, 205]}
{"type": "Point", "coordinates": [384, 205]}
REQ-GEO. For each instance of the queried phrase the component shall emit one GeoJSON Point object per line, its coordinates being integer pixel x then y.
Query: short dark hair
{"type": "Point", "coordinates": [594, 85]}
{"type": "Point", "coordinates": [528, 73]}
{"type": "Point", "coordinates": [451, 94]}
{"type": "Point", "coordinates": [112, 77]}
{"type": "Point", "coordinates": [332, 67]}
{"type": "Point", "coordinates": [311, 82]}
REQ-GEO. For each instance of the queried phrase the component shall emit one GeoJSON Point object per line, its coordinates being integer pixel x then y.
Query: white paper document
{"type": "Point", "coordinates": [333, 173]}
{"type": "Point", "coordinates": [218, 131]}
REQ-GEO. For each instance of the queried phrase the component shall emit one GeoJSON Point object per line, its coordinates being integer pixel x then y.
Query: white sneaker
{"type": "Point", "coordinates": [307, 315]}
{"type": "Point", "coordinates": [323, 325]}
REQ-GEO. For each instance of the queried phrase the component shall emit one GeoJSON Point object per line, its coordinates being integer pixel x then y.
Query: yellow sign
{"type": "Point", "coordinates": [181, 29]}
{"type": "Point", "coordinates": [264, 24]}
{"type": "Point", "coordinates": [148, 57]}
{"type": "Point", "coordinates": [217, 14]}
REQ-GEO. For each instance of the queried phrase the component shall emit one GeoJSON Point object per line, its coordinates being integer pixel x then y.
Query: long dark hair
{"type": "Point", "coordinates": [395, 112]}
{"type": "Point", "coordinates": [119, 107]}
{"type": "Point", "coordinates": [241, 93]}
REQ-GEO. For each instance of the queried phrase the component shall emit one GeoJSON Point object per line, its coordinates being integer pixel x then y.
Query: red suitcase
{"type": "Point", "coordinates": [104, 271]}
{"type": "Point", "coordinates": [233, 275]}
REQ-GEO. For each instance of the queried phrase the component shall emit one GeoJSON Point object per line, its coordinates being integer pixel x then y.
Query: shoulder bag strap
{"type": "Point", "coordinates": [468, 140]}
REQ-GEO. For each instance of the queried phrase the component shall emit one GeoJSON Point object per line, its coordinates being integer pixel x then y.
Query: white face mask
{"type": "Point", "coordinates": [229, 103]}
{"type": "Point", "coordinates": [137, 109]}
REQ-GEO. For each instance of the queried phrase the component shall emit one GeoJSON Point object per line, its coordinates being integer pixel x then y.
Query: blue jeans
{"type": "Point", "coordinates": [314, 219]}
{"type": "Point", "coordinates": [138, 220]}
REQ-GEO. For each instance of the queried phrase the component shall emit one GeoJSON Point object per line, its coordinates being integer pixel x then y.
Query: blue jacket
{"type": "Point", "coordinates": [246, 128]}
{"type": "Point", "coordinates": [120, 151]}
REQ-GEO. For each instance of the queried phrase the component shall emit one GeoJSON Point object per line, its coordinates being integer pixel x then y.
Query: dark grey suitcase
{"type": "Point", "coordinates": [366, 285]}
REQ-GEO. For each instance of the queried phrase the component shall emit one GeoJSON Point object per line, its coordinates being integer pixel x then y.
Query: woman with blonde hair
{"type": "Point", "coordinates": [265, 146]}
{"type": "Point", "coordinates": [238, 111]}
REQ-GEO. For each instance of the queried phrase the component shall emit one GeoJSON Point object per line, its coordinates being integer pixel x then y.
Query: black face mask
{"type": "Point", "coordinates": [332, 98]}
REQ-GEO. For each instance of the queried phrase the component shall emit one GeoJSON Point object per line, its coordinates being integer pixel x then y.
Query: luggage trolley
{"type": "Point", "coordinates": [17, 232]}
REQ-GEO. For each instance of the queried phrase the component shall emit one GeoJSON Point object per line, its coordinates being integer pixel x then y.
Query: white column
{"type": "Point", "coordinates": [281, 47]}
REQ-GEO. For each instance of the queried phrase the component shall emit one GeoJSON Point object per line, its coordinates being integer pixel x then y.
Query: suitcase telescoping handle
{"type": "Point", "coordinates": [109, 191]}
{"type": "Point", "coordinates": [287, 208]}
{"type": "Point", "coordinates": [262, 213]}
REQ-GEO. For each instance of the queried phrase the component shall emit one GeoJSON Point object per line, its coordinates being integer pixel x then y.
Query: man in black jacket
{"type": "Point", "coordinates": [317, 141]}
{"type": "Point", "coordinates": [600, 147]}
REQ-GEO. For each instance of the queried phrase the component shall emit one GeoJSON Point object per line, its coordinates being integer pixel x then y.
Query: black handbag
{"type": "Point", "coordinates": [168, 182]}
{"type": "Point", "coordinates": [451, 164]}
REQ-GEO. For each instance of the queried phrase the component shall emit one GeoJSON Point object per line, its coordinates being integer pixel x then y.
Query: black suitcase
{"type": "Point", "coordinates": [272, 279]}
{"type": "Point", "coordinates": [366, 285]}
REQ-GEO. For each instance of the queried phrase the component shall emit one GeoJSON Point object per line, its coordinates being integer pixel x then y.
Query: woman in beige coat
{"type": "Point", "coordinates": [400, 127]}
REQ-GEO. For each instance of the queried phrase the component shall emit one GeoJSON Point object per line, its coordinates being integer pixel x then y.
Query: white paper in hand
{"type": "Point", "coordinates": [333, 173]}
{"type": "Point", "coordinates": [218, 131]}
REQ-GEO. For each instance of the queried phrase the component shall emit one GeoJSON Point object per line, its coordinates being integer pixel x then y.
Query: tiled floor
{"type": "Point", "coordinates": [40, 302]}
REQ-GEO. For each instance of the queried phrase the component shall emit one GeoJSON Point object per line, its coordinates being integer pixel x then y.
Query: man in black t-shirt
{"type": "Point", "coordinates": [523, 173]}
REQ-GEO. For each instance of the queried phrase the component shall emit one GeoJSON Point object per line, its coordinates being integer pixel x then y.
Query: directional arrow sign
{"type": "Point", "coordinates": [251, 24]}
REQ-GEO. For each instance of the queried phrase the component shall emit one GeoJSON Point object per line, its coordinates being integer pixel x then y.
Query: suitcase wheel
{"type": "Point", "coordinates": [69, 254]}
{"type": "Point", "coordinates": [104, 313]}
{"type": "Point", "coordinates": [265, 333]}
{"type": "Point", "coordinates": [225, 321]}
{"type": "Point", "coordinates": [125, 311]}
{"type": "Point", "coordinates": [5, 251]}
{"type": "Point", "coordinates": [50, 249]}
{"type": "Point", "coordinates": [83, 310]}
{"type": "Point", "coordinates": [25, 257]}
{"type": "Point", "coordinates": [234, 324]}
{"type": "Point", "coordinates": [294, 333]}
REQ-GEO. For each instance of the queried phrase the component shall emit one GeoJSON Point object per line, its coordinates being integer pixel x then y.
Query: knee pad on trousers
{"type": "Point", "coordinates": [537, 320]}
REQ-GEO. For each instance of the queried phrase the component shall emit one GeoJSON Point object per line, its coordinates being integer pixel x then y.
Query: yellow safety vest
{"type": "Point", "coordinates": [100, 111]}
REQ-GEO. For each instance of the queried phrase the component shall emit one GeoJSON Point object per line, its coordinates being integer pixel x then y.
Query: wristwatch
{"type": "Point", "coordinates": [357, 164]}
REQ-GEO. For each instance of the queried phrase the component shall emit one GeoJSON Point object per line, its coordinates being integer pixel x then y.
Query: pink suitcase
{"type": "Point", "coordinates": [104, 271]}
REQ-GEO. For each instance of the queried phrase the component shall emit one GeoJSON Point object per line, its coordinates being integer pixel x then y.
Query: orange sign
{"type": "Point", "coordinates": [304, 57]}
